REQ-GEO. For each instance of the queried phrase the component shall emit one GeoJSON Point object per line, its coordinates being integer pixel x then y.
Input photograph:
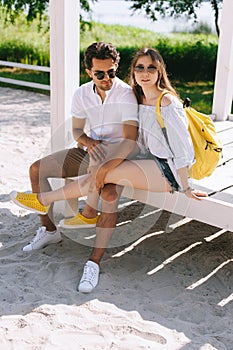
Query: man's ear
{"type": "Point", "coordinates": [89, 72]}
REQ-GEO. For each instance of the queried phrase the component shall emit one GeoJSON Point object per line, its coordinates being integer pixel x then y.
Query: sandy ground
{"type": "Point", "coordinates": [157, 289]}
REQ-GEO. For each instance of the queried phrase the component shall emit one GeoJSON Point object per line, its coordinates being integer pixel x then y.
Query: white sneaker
{"type": "Point", "coordinates": [42, 239]}
{"type": "Point", "coordinates": [89, 278]}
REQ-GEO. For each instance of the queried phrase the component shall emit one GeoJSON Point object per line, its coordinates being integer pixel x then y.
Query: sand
{"type": "Point", "coordinates": [157, 290]}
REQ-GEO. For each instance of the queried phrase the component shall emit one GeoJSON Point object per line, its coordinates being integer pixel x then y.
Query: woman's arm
{"type": "Point", "coordinates": [186, 189]}
{"type": "Point", "coordinates": [119, 153]}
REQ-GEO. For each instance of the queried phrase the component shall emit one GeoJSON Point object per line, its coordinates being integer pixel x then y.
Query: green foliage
{"type": "Point", "coordinates": [200, 93]}
{"type": "Point", "coordinates": [187, 56]}
{"type": "Point", "coordinates": [201, 28]}
{"type": "Point", "coordinates": [190, 59]}
{"type": "Point", "coordinates": [16, 51]}
{"type": "Point", "coordinates": [174, 8]}
{"type": "Point", "coordinates": [35, 9]}
{"type": "Point", "coordinates": [21, 42]}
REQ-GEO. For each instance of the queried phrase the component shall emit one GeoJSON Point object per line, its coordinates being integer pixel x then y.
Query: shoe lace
{"type": "Point", "coordinates": [39, 234]}
{"type": "Point", "coordinates": [89, 273]}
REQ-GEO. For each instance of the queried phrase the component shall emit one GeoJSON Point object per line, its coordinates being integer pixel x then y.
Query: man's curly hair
{"type": "Point", "coordinates": [101, 51]}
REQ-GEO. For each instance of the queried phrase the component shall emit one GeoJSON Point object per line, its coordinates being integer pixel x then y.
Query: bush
{"type": "Point", "coordinates": [21, 52]}
{"type": "Point", "coordinates": [185, 61]}
{"type": "Point", "coordinates": [188, 57]}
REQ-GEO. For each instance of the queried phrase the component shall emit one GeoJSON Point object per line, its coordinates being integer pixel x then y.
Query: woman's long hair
{"type": "Point", "coordinates": [162, 83]}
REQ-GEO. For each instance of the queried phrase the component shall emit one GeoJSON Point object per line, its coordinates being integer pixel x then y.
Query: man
{"type": "Point", "coordinates": [107, 108]}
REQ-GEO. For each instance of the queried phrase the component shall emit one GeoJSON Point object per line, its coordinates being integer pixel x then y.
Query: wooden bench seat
{"type": "Point", "coordinates": [217, 209]}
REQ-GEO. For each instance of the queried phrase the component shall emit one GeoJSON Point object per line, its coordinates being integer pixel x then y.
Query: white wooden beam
{"type": "Point", "coordinates": [64, 68]}
{"type": "Point", "coordinates": [209, 210]}
{"type": "Point", "coordinates": [223, 89]}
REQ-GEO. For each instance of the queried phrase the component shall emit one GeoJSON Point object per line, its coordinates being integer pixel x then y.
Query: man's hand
{"type": "Point", "coordinates": [96, 150]}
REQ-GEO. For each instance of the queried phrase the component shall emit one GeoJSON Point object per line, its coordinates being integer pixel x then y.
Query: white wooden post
{"type": "Point", "coordinates": [64, 71]}
{"type": "Point", "coordinates": [64, 77]}
{"type": "Point", "coordinates": [223, 89]}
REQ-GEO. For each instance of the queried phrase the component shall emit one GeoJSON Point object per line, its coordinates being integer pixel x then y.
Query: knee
{"type": "Point", "coordinates": [109, 194]}
{"type": "Point", "coordinates": [34, 170]}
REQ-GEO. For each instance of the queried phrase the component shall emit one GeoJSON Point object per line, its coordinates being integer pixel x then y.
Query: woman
{"type": "Point", "coordinates": [167, 170]}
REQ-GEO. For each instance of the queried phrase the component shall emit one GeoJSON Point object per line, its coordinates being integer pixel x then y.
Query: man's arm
{"type": "Point", "coordinates": [122, 150]}
{"type": "Point", "coordinates": [81, 137]}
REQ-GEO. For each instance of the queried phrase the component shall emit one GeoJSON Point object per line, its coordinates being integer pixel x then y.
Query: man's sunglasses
{"type": "Point", "coordinates": [101, 74]}
{"type": "Point", "coordinates": [141, 69]}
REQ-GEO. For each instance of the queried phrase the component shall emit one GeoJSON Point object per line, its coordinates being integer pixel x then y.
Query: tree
{"type": "Point", "coordinates": [34, 8]}
{"type": "Point", "coordinates": [175, 8]}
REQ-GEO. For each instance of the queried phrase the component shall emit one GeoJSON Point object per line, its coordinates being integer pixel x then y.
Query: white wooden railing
{"type": "Point", "coordinates": [21, 82]}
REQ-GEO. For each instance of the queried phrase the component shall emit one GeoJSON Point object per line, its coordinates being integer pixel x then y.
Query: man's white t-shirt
{"type": "Point", "coordinates": [104, 120]}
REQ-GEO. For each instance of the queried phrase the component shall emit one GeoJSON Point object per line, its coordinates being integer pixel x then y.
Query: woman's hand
{"type": "Point", "coordinates": [195, 194]}
{"type": "Point", "coordinates": [100, 177]}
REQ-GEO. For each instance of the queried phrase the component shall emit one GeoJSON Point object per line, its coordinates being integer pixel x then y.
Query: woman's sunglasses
{"type": "Point", "coordinates": [101, 74]}
{"type": "Point", "coordinates": [141, 69]}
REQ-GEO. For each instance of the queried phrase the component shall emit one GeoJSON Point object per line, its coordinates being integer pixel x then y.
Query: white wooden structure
{"type": "Point", "coordinates": [64, 65]}
{"type": "Point", "coordinates": [216, 210]}
{"type": "Point", "coordinates": [22, 82]}
{"type": "Point", "coordinates": [223, 90]}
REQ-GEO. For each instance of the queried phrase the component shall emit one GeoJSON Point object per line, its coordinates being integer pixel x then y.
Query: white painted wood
{"type": "Point", "coordinates": [25, 83]}
{"type": "Point", "coordinates": [64, 68]}
{"type": "Point", "coordinates": [25, 66]}
{"type": "Point", "coordinates": [22, 82]}
{"type": "Point", "coordinates": [210, 211]}
{"type": "Point", "coordinates": [223, 89]}
{"type": "Point", "coordinates": [224, 125]}
{"type": "Point", "coordinates": [216, 210]}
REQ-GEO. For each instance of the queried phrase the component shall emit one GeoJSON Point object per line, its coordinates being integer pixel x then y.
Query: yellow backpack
{"type": "Point", "coordinates": [206, 143]}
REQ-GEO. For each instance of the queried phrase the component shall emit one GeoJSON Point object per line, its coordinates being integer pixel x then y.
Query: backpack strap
{"type": "Point", "coordinates": [160, 118]}
{"type": "Point", "coordinates": [157, 110]}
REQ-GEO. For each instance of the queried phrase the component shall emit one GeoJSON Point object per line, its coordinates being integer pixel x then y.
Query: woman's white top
{"type": "Point", "coordinates": [181, 152]}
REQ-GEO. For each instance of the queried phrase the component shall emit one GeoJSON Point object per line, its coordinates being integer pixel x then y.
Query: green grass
{"type": "Point", "coordinates": [26, 75]}
{"type": "Point", "coordinates": [23, 43]}
{"type": "Point", "coordinates": [200, 93]}
{"type": "Point", "coordinates": [128, 36]}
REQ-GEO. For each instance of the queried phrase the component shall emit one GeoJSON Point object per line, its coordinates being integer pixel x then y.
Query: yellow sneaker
{"type": "Point", "coordinates": [29, 201]}
{"type": "Point", "coordinates": [78, 221]}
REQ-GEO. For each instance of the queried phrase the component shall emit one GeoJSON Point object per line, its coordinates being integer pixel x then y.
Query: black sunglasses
{"type": "Point", "coordinates": [140, 69]}
{"type": "Point", "coordinates": [101, 74]}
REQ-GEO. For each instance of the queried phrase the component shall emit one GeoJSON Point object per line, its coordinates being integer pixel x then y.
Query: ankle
{"type": "Point", "coordinates": [89, 213]}
{"type": "Point", "coordinates": [51, 229]}
{"type": "Point", "coordinates": [41, 199]}
{"type": "Point", "coordinates": [97, 261]}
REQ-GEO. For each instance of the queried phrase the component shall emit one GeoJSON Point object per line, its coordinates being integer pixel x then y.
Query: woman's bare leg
{"type": "Point", "coordinates": [141, 174]}
{"type": "Point", "coordinates": [75, 189]}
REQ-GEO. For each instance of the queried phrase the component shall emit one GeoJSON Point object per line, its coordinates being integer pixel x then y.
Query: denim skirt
{"type": "Point", "coordinates": [167, 173]}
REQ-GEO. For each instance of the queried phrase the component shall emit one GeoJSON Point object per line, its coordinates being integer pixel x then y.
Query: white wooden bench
{"type": "Point", "coordinates": [209, 210]}
{"type": "Point", "coordinates": [215, 210]}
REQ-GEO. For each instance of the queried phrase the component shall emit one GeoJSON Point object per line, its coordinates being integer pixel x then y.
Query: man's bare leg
{"type": "Point", "coordinates": [104, 230]}
{"type": "Point", "coordinates": [107, 221]}
{"type": "Point", "coordinates": [56, 166]}
{"type": "Point", "coordinates": [67, 163]}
